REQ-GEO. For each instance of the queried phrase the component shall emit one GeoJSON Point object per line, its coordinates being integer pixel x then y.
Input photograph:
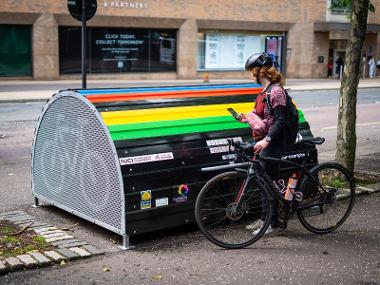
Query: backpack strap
{"type": "Point", "coordinates": [267, 97]}
{"type": "Point", "coordinates": [267, 103]}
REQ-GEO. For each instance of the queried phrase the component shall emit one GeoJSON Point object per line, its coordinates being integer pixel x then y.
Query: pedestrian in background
{"type": "Point", "coordinates": [371, 64]}
{"type": "Point", "coordinates": [329, 67]}
{"type": "Point", "coordinates": [339, 66]}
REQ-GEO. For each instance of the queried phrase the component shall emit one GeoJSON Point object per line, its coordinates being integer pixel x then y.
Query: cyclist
{"type": "Point", "coordinates": [272, 144]}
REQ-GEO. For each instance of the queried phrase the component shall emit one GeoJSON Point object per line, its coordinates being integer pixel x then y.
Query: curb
{"type": "Point", "coordinates": [293, 89]}
{"type": "Point", "coordinates": [65, 246]}
{"type": "Point", "coordinates": [24, 100]}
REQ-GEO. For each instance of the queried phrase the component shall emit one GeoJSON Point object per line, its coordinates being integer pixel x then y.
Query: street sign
{"type": "Point", "coordinates": [75, 8]}
{"type": "Point", "coordinates": [83, 10]}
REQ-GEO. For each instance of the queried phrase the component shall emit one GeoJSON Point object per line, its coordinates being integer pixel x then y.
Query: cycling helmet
{"type": "Point", "coordinates": [258, 60]}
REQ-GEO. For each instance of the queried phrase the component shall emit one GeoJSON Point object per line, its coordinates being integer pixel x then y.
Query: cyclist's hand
{"type": "Point", "coordinates": [243, 118]}
{"type": "Point", "coordinates": [261, 145]}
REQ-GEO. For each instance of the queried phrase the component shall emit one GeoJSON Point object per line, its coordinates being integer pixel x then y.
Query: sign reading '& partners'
{"type": "Point", "coordinates": [125, 4]}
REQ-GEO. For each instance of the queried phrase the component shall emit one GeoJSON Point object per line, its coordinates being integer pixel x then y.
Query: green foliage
{"type": "Point", "coordinates": [40, 242]}
{"type": "Point", "coordinates": [29, 247]}
{"type": "Point", "coordinates": [22, 243]}
{"type": "Point", "coordinates": [5, 230]}
{"type": "Point", "coordinates": [345, 6]}
{"type": "Point", "coordinates": [10, 239]}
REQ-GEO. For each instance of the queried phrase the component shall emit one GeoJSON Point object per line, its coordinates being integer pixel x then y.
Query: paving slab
{"type": "Point", "coordinates": [42, 259]}
{"type": "Point", "coordinates": [14, 263]}
{"type": "Point", "coordinates": [92, 249]}
{"type": "Point", "coordinates": [49, 235]}
{"type": "Point", "coordinates": [2, 266]}
{"type": "Point", "coordinates": [65, 241]}
{"type": "Point", "coordinates": [55, 256]}
{"type": "Point", "coordinates": [37, 225]}
{"type": "Point", "coordinates": [27, 260]}
{"type": "Point", "coordinates": [72, 244]}
{"type": "Point", "coordinates": [80, 251]}
{"type": "Point", "coordinates": [58, 238]}
{"type": "Point", "coordinates": [44, 229]}
{"type": "Point", "coordinates": [21, 218]}
{"type": "Point", "coordinates": [13, 213]}
{"type": "Point", "coordinates": [68, 254]}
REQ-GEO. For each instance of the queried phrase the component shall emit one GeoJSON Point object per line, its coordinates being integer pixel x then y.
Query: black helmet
{"type": "Point", "coordinates": [258, 60]}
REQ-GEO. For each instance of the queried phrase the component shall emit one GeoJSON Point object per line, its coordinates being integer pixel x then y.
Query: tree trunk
{"type": "Point", "coordinates": [346, 133]}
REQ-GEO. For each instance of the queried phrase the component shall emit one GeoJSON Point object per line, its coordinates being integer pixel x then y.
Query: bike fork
{"type": "Point", "coordinates": [241, 192]}
{"type": "Point", "coordinates": [243, 186]}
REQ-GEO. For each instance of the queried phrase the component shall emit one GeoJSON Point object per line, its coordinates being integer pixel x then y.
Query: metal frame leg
{"type": "Point", "coordinates": [125, 244]}
{"type": "Point", "coordinates": [36, 203]}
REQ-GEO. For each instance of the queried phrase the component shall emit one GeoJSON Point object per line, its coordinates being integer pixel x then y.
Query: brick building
{"type": "Point", "coordinates": [170, 39]}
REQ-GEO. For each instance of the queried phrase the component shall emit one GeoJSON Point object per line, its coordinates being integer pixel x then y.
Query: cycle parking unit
{"type": "Point", "coordinates": [129, 159]}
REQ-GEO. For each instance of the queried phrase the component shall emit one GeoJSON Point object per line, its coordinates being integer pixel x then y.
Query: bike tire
{"type": "Point", "coordinates": [219, 223]}
{"type": "Point", "coordinates": [327, 211]}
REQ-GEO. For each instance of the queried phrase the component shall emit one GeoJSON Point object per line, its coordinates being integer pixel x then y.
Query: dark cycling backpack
{"type": "Point", "coordinates": [291, 112]}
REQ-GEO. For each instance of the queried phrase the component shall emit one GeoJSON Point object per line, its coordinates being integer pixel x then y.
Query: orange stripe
{"type": "Point", "coordinates": [177, 94]}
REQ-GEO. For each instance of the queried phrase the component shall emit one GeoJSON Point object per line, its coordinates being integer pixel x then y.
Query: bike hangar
{"type": "Point", "coordinates": [130, 159]}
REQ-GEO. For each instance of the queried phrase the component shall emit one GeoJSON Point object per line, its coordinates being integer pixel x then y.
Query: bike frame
{"type": "Point", "coordinates": [255, 170]}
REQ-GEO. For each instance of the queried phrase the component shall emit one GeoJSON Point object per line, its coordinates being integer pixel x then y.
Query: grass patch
{"type": "Point", "coordinates": [12, 245]}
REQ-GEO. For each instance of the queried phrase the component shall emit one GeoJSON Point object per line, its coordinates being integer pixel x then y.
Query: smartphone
{"type": "Point", "coordinates": [234, 114]}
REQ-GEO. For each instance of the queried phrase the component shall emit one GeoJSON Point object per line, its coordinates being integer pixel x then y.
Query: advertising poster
{"type": "Point", "coordinates": [273, 47]}
{"type": "Point", "coordinates": [114, 50]}
{"type": "Point", "coordinates": [224, 51]}
{"type": "Point", "coordinates": [212, 59]}
{"type": "Point", "coordinates": [118, 50]}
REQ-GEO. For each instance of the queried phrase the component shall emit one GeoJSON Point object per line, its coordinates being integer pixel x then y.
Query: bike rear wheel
{"type": "Point", "coordinates": [222, 221]}
{"type": "Point", "coordinates": [329, 204]}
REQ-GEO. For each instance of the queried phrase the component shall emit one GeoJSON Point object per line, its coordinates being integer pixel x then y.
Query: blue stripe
{"type": "Point", "coordinates": [172, 88]}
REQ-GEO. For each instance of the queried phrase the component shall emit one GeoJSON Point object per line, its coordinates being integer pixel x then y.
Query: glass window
{"type": "Point", "coordinates": [15, 51]}
{"type": "Point", "coordinates": [273, 47]}
{"type": "Point", "coordinates": [112, 50]}
{"type": "Point", "coordinates": [219, 51]}
{"type": "Point", "coordinates": [338, 7]}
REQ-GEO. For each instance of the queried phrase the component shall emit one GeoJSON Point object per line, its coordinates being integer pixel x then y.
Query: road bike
{"type": "Point", "coordinates": [231, 202]}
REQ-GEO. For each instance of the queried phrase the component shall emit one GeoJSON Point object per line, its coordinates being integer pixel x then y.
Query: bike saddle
{"type": "Point", "coordinates": [317, 140]}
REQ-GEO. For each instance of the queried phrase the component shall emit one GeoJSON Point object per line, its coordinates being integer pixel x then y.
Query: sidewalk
{"type": "Point", "coordinates": [26, 91]}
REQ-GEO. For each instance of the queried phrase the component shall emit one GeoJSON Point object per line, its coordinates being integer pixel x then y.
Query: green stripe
{"type": "Point", "coordinates": [178, 127]}
{"type": "Point", "coordinates": [301, 117]}
{"type": "Point", "coordinates": [169, 128]}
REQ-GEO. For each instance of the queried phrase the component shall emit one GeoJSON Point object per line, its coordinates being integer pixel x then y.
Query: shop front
{"type": "Point", "coordinates": [15, 50]}
{"type": "Point", "coordinates": [118, 50]}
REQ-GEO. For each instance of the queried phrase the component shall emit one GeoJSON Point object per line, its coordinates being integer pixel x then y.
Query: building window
{"type": "Point", "coordinates": [221, 51]}
{"type": "Point", "coordinates": [115, 50]}
{"type": "Point", "coordinates": [337, 7]}
{"type": "Point", "coordinates": [224, 51]}
{"type": "Point", "coordinates": [274, 47]}
{"type": "Point", "coordinates": [15, 50]}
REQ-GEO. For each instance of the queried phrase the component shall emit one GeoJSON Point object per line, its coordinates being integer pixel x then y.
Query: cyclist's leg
{"type": "Point", "coordinates": [275, 150]}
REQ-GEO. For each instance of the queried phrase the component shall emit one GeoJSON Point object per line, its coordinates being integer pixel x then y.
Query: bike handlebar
{"type": "Point", "coordinates": [241, 149]}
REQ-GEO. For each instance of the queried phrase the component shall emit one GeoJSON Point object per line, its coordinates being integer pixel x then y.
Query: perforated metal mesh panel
{"type": "Point", "coordinates": [75, 165]}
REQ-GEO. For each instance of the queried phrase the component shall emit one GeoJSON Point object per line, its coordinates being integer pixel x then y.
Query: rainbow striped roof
{"type": "Point", "coordinates": [148, 112]}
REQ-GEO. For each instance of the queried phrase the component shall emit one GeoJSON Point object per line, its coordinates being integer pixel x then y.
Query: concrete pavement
{"type": "Point", "coordinates": [27, 91]}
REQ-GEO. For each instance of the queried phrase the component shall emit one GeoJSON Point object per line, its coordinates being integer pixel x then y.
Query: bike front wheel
{"type": "Point", "coordinates": [227, 223]}
{"type": "Point", "coordinates": [330, 198]}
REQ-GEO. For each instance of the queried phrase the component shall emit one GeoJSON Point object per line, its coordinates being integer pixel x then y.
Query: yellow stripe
{"type": "Point", "coordinates": [173, 113]}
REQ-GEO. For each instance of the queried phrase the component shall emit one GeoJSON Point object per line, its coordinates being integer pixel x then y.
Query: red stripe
{"type": "Point", "coordinates": [177, 94]}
